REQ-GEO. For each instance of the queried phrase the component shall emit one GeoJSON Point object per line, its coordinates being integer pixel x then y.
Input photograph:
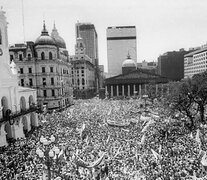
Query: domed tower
{"type": "Point", "coordinates": [58, 39]}
{"type": "Point", "coordinates": [45, 46]}
{"type": "Point", "coordinates": [128, 65]}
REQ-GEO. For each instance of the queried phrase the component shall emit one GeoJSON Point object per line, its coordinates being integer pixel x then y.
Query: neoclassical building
{"type": "Point", "coordinates": [83, 72]}
{"type": "Point", "coordinates": [133, 81]}
{"type": "Point", "coordinates": [44, 65]}
{"type": "Point", "coordinates": [17, 110]}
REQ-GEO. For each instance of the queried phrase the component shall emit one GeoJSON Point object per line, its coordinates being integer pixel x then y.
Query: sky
{"type": "Point", "coordinates": [162, 25]}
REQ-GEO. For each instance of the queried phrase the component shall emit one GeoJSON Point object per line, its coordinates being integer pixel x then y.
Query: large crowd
{"type": "Point", "coordinates": [155, 145]}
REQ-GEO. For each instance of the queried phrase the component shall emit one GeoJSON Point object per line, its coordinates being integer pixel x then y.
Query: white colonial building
{"type": "Point", "coordinates": [18, 112]}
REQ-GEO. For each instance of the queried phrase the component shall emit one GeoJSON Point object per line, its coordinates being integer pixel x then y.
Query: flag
{"type": "Point", "coordinates": [160, 149]}
{"type": "Point", "coordinates": [143, 139]}
{"type": "Point", "coordinates": [204, 160]}
{"type": "Point", "coordinates": [107, 141]}
{"type": "Point", "coordinates": [60, 154]}
{"type": "Point", "coordinates": [191, 135]}
{"type": "Point", "coordinates": [197, 138]}
{"type": "Point", "coordinates": [147, 125]}
{"type": "Point", "coordinates": [156, 155]}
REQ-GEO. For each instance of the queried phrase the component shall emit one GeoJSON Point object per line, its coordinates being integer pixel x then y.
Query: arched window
{"type": "Point", "coordinates": [42, 55]}
{"type": "Point", "coordinates": [50, 55]}
{"type": "Point", "coordinates": [83, 81]}
{"type": "Point", "coordinates": [78, 82]}
{"type": "Point", "coordinates": [29, 57]}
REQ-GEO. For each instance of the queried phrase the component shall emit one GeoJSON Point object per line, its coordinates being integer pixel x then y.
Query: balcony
{"type": "Point", "coordinates": [17, 114]}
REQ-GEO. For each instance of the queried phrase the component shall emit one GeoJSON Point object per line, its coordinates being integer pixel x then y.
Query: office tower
{"type": "Point", "coordinates": [171, 64]}
{"type": "Point", "coordinates": [121, 41]}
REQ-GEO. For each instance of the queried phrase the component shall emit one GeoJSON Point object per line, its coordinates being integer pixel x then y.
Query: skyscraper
{"type": "Point", "coordinates": [121, 41]}
{"type": "Point", "coordinates": [89, 35]}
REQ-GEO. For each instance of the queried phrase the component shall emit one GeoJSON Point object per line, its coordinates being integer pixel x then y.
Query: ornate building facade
{"type": "Point", "coordinates": [133, 81]}
{"type": "Point", "coordinates": [17, 110]}
{"type": "Point", "coordinates": [83, 72]}
{"type": "Point", "coordinates": [44, 65]}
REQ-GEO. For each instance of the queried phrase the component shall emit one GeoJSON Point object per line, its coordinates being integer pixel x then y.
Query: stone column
{"type": "Point", "coordinates": [123, 90]}
{"type": "Point", "coordinates": [140, 90]}
{"type": "Point", "coordinates": [128, 90]}
{"type": "Point", "coordinates": [106, 90]}
{"type": "Point", "coordinates": [156, 91]}
{"type": "Point", "coordinates": [134, 89]}
{"type": "Point", "coordinates": [117, 90]}
{"type": "Point", "coordinates": [145, 89]}
{"type": "Point", "coordinates": [112, 93]}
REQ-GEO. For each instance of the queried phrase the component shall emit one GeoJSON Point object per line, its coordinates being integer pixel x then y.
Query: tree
{"type": "Point", "coordinates": [181, 98]}
{"type": "Point", "coordinates": [199, 92]}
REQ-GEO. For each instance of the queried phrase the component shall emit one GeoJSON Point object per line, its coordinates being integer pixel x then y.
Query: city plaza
{"type": "Point", "coordinates": [124, 136]}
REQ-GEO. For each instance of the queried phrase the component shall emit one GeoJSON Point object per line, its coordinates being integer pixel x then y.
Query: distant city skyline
{"type": "Point", "coordinates": [162, 25]}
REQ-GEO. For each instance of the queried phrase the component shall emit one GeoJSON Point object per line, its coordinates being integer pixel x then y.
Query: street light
{"type": "Point", "coordinates": [48, 153]}
{"type": "Point", "coordinates": [145, 96]}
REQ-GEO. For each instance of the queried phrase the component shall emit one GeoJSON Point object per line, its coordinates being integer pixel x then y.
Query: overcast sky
{"type": "Point", "coordinates": [162, 25]}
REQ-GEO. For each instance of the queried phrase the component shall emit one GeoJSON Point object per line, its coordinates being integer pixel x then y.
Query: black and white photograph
{"type": "Point", "coordinates": [103, 90]}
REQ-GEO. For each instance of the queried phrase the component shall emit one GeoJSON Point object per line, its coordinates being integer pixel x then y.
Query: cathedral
{"type": "Point", "coordinates": [18, 104]}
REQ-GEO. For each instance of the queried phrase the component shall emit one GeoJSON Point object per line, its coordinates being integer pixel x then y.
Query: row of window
{"type": "Point", "coordinates": [21, 70]}
{"type": "Point", "coordinates": [194, 72]}
{"type": "Point", "coordinates": [29, 56]}
{"type": "Point", "coordinates": [200, 59]}
{"type": "Point", "coordinates": [200, 55]}
{"type": "Point", "coordinates": [52, 93]}
{"type": "Point", "coordinates": [30, 83]}
{"type": "Point", "coordinates": [78, 81]}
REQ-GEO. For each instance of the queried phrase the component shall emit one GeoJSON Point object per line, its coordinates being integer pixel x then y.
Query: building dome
{"type": "Point", "coordinates": [129, 62]}
{"type": "Point", "coordinates": [58, 39]}
{"type": "Point", "coordinates": [44, 38]}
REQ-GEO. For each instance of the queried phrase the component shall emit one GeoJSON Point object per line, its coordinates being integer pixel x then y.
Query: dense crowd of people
{"type": "Point", "coordinates": [153, 146]}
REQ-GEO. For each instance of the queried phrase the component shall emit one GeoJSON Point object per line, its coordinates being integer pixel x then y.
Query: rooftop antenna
{"type": "Point", "coordinates": [23, 20]}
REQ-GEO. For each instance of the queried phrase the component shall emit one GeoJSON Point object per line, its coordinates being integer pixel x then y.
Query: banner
{"type": "Point", "coordinates": [197, 138]}
{"type": "Point", "coordinates": [82, 163]}
{"type": "Point", "coordinates": [147, 125]}
{"type": "Point", "coordinates": [204, 160]}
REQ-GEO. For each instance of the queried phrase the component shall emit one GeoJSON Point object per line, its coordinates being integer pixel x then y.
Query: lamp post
{"type": "Point", "coordinates": [145, 96]}
{"type": "Point", "coordinates": [47, 153]}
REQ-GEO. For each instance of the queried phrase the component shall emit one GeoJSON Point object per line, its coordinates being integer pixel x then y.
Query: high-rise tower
{"type": "Point", "coordinates": [121, 40]}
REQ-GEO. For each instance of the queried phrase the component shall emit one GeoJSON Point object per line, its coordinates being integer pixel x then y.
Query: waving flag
{"type": "Point", "coordinates": [156, 155]}
{"type": "Point", "coordinates": [82, 163]}
{"type": "Point", "coordinates": [197, 138]}
{"type": "Point", "coordinates": [109, 111]}
{"type": "Point", "coordinates": [204, 160]}
{"type": "Point", "coordinates": [143, 139]}
{"type": "Point", "coordinates": [147, 125]}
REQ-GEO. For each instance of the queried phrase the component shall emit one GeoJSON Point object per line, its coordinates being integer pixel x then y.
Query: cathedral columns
{"type": "Point", "coordinates": [140, 90]}
{"type": "Point", "coordinates": [117, 90]}
{"type": "Point", "coordinates": [156, 91]}
{"type": "Point", "coordinates": [123, 90]}
{"type": "Point", "coordinates": [134, 89]}
{"type": "Point", "coordinates": [112, 93]}
{"type": "Point", "coordinates": [128, 90]}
